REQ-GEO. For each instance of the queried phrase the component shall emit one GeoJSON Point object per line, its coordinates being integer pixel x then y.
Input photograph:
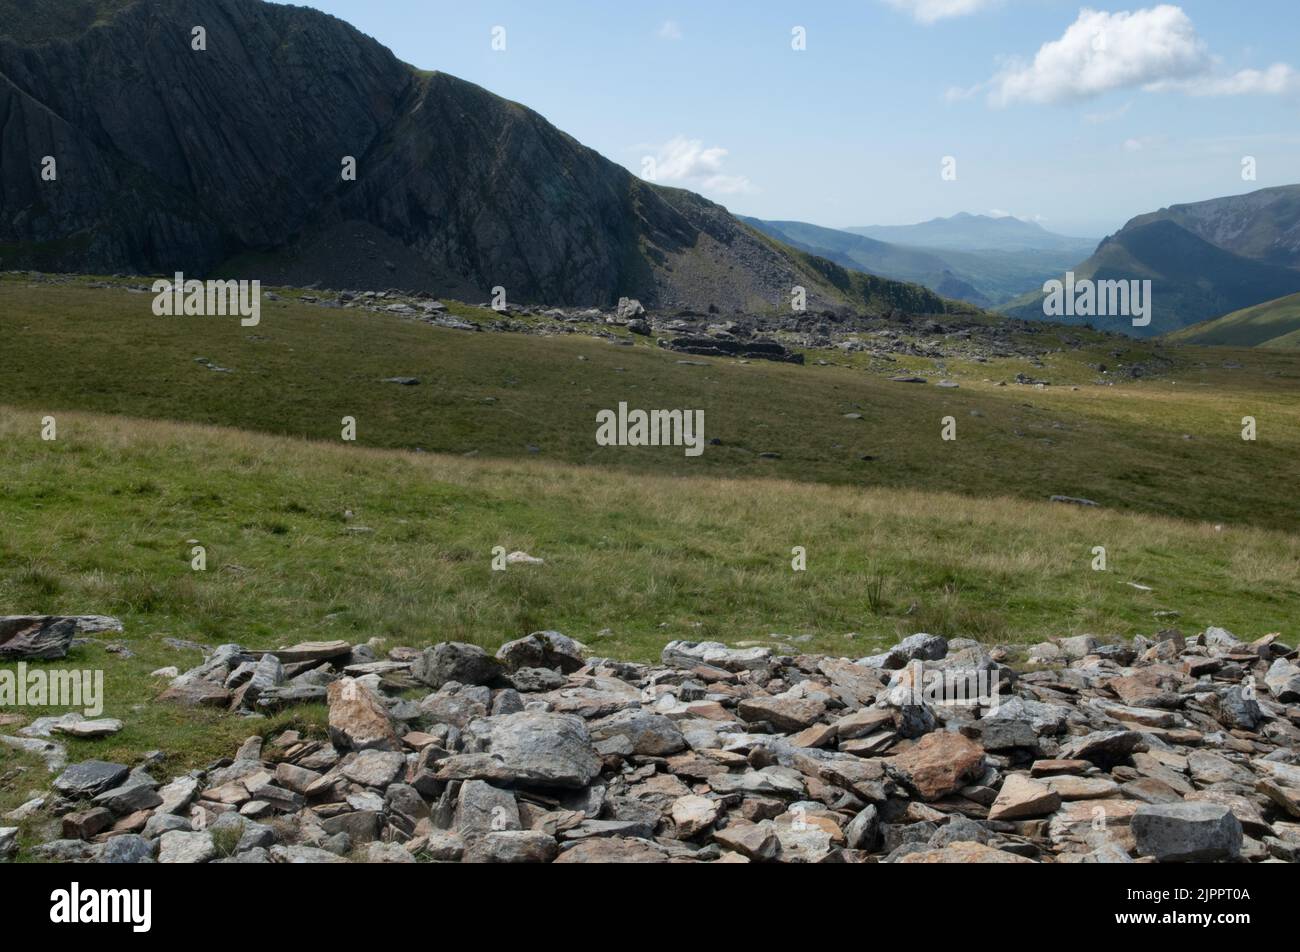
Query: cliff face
{"type": "Point", "coordinates": [229, 160]}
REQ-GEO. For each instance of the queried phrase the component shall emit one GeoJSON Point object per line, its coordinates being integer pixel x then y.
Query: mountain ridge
{"type": "Point", "coordinates": [229, 159]}
{"type": "Point", "coordinates": [1195, 279]}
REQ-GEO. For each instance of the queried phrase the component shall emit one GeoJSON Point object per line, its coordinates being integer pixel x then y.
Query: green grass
{"type": "Point", "coordinates": [641, 546]}
{"type": "Point", "coordinates": [1167, 445]}
{"type": "Point", "coordinates": [1271, 324]}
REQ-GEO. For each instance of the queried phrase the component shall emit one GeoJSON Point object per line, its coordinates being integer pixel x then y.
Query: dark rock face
{"type": "Point", "coordinates": [231, 159]}
{"type": "Point", "coordinates": [720, 347]}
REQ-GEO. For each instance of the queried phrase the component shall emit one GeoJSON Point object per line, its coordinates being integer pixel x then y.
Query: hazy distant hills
{"type": "Point", "coordinates": [967, 232]}
{"type": "Point", "coordinates": [1204, 260]}
{"type": "Point", "coordinates": [229, 161]}
{"type": "Point", "coordinates": [975, 258]}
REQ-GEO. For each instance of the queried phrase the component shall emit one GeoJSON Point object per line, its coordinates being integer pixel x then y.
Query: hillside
{"type": "Point", "coordinates": [457, 190]}
{"type": "Point", "coordinates": [1204, 259]}
{"type": "Point", "coordinates": [1149, 429]}
{"type": "Point", "coordinates": [1192, 280]}
{"type": "Point", "coordinates": [1272, 324]}
{"type": "Point", "coordinates": [1262, 225]}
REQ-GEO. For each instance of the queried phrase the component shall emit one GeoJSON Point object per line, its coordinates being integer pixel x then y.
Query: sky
{"type": "Point", "coordinates": [894, 111]}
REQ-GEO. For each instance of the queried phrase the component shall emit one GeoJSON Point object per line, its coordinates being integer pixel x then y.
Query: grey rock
{"type": "Point", "coordinates": [455, 661]}
{"type": "Point", "coordinates": [650, 734]}
{"type": "Point", "coordinates": [90, 777]}
{"type": "Point", "coordinates": [1187, 832]}
{"type": "Point", "coordinates": [128, 848]}
{"type": "Point", "coordinates": [179, 847]}
{"type": "Point", "coordinates": [542, 649]}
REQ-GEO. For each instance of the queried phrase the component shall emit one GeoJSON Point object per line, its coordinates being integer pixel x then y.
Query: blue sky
{"type": "Point", "coordinates": [1079, 118]}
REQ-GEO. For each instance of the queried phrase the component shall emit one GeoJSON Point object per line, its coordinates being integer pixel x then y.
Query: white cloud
{"type": "Point", "coordinates": [1156, 49]}
{"type": "Point", "coordinates": [1103, 51]}
{"type": "Point", "coordinates": [932, 11]}
{"type": "Point", "coordinates": [688, 163]}
{"type": "Point", "coordinates": [669, 30]}
{"type": "Point", "coordinates": [1274, 81]}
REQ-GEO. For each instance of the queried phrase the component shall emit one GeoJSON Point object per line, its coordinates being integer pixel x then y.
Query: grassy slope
{"type": "Point", "coordinates": [101, 519]}
{"type": "Point", "coordinates": [1272, 324]}
{"type": "Point", "coordinates": [77, 348]}
{"type": "Point", "coordinates": [642, 548]}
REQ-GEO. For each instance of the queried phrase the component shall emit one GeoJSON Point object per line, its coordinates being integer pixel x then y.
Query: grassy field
{"type": "Point", "coordinates": [1170, 444]}
{"type": "Point", "coordinates": [640, 546]}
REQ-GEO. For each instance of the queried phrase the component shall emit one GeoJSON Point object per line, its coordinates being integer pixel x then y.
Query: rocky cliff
{"type": "Point", "coordinates": [229, 160]}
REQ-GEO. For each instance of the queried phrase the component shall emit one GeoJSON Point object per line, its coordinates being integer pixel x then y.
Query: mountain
{"type": "Point", "coordinates": [874, 257]}
{"type": "Point", "coordinates": [967, 232]}
{"type": "Point", "coordinates": [986, 278]}
{"type": "Point", "coordinates": [1262, 225]}
{"type": "Point", "coordinates": [1274, 324]}
{"type": "Point", "coordinates": [228, 160]}
{"type": "Point", "coordinates": [1193, 277]}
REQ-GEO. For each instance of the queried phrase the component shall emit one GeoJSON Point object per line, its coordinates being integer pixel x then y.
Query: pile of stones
{"type": "Point", "coordinates": [1162, 749]}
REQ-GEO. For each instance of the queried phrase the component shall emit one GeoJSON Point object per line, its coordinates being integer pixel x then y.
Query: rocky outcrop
{"type": "Point", "coordinates": [1173, 750]}
{"type": "Point", "coordinates": [238, 150]}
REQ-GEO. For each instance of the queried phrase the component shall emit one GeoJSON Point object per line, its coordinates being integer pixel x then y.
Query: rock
{"type": "Point", "coordinates": [90, 777]}
{"type": "Point", "coordinates": [546, 749]}
{"type": "Point", "coordinates": [35, 637]}
{"type": "Point", "coordinates": [650, 734]}
{"type": "Point", "coordinates": [386, 853]}
{"type": "Point", "coordinates": [179, 847]}
{"type": "Point", "coordinates": [309, 651]}
{"type": "Point", "coordinates": [918, 647]}
{"type": "Point", "coordinates": [629, 309]}
{"type": "Point", "coordinates": [303, 854]}
{"type": "Point", "coordinates": [964, 852]}
{"type": "Point", "coordinates": [86, 824]}
{"type": "Point", "coordinates": [375, 768]}
{"type": "Point", "coordinates": [693, 815]}
{"type": "Point", "coordinates": [512, 846]}
{"type": "Point", "coordinates": [8, 841]}
{"type": "Point", "coordinates": [130, 848]}
{"type": "Point", "coordinates": [357, 720]}
{"type": "Point", "coordinates": [782, 712]}
{"type": "Point", "coordinates": [1187, 832]}
{"type": "Point", "coordinates": [454, 661]}
{"type": "Point", "coordinates": [129, 798]}
{"type": "Point", "coordinates": [1104, 748]}
{"type": "Point", "coordinates": [613, 849]}
{"type": "Point", "coordinates": [483, 808]}
{"type": "Point", "coordinates": [90, 730]}
{"type": "Point", "coordinates": [1021, 798]}
{"type": "Point", "coordinates": [542, 649]}
{"type": "Point", "coordinates": [1283, 681]}
{"type": "Point", "coordinates": [863, 831]}
{"type": "Point", "coordinates": [755, 841]}
{"type": "Point", "coordinates": [196, 693]}
{"type": "Point", "coordinates": [689, 654]}
{"type": "Point", "coordinates": [940, 764]}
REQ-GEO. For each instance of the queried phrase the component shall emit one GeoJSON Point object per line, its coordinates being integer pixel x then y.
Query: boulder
{"type": "Point", "coordinates": [1196, 832]}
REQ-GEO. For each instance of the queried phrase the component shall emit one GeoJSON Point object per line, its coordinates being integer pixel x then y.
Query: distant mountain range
{"type": "Point", "coordinates": [967, 232]}
{"type": "Point", "coordinates": [975, 258]}
{"type": "Point", "coordinates": [229, 162]}
{"type": "Point", "coordinates": [1204, 260]}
